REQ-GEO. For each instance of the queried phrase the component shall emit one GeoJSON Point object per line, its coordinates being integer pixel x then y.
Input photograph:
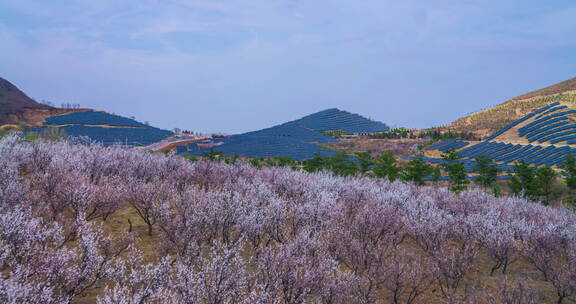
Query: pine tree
{"type": "Point", "coordinates": [386, 167]}
{"type": "Point", "coordinates": [545, 178]}
{"type": "Point", "coordinates": [365, 160]}
{"type": "Point", "coordinates": [525, 181]}
{"type": "Point", "coordinates": [416, 170]}
{"type": "Point", "coordinates": [569, 172]}
{"type": "Point", "coordinates": [487, 172]}
{"type": "Point", "coordinates": [436, 174]}
{"type": "Point", "coordinates": [456, 171]}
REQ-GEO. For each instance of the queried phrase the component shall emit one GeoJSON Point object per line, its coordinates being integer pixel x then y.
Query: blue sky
{"type": "Point", "coordinates": [240, 65]}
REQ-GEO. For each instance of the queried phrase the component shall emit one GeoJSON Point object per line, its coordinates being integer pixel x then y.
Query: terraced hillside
{"type": "Point", "coordinates": [17, 108]}
{"type": "Point", "coordinates": [293, 139]}
{"type": "Point", "coordinates": [335, 119]}
{"type": "Point", "coordinates": [544, 137]}
{"type": "Point", "coordinates": [106, 128]}
{"type": "Point", "coordinates": [20, 112]}
{"type": "Point", "coordinates": [488, 121]}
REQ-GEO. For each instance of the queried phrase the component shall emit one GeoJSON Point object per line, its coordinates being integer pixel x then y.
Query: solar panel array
{"type": "Point", "coordinates": [447, 145]}
{"type": "Point", "coordinates": [469, 164]}
{"type": "Point", "coordinates": [266, 147]}
{"type": "Point", "coordinates": [181, 149]}
{"type": "Point", "coordinates": [521, 120]}
{"type": "Point", "coordinates": [335, 119]}
{"type": "Point", "coordinates": [114, 136]}
{"type": "Point", "coordinates": [470, 177]}
{"type": "Point", "coordinates": [288, 141]}
{"type": "Point", "coordinates": [124, 131]}
{"type": "Point", "coordinates": [508, 153]}
{"type": "Point", "coordinates": [552, 126]}
{"type": "Point", "coordinates": [92, 118]}
{"type": "Point", "coordinates": [293, 139]}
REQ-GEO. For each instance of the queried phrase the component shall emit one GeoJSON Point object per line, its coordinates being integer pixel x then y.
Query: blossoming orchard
{"type": "Point", "coordinates": [93, 224]}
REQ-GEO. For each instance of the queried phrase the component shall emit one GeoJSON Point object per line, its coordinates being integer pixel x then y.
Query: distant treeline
{"type": "Point", "coordinates": [535, 183]}
{"type": "Point", "coordinates": [398, 133]}
{"type": "Point", "coordinates": [439, 135]}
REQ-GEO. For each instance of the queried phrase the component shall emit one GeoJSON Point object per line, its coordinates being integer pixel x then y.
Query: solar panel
{"type": "Point", "coordinates": [564, 138]}
{"type": "Point", "coordinates": [551, 132]}
{"type": "Point", "coordinates": [116, 136]}
{"type": "Point", "coordinates": [537, 155]}
{"type": "Point", "coordinates": [515, 123]}
{"type": "Point", "coordinates": [551, 111]}
{"type": "Point", "coordinates": [92, 118]}
{"type": "Point", "coordinates": [544, 129]}
{"type": "Point", "coordinates": [515, 155]}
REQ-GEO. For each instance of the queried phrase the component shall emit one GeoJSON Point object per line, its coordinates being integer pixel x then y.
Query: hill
{"type": "Point", "coordinates": [20, 112]}
{"type": "Point", "coordinates": [15, 106]}
{"type": "Point", "coordinates": [490, 120]}
{"type": "Point", "coordinates": [295, 139]}
{"type": "Point", "coordinates": [106, 128]}
{"type": "Point", "coordinates": [335, 119]}
{"type": "Point", "coordinates": [544, 137]}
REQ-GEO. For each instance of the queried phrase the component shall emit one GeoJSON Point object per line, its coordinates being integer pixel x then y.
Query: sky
{"type": "Point", "coordinates": [239, 65]}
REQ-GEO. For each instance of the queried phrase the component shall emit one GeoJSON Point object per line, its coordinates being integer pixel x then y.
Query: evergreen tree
{"type": "Point", "coordinates": [283, 161]}
{"type": "Point", "coordinates": [458, 176]}
{"type": "Point", "coordinates": [456, 171]}
{"type": "Point", "coordinates": [189, 157]}
{"type": "Point", "coordinates": [232, 160]}
{"type": "Point", "coordinates": [545, 178]}
{"type": "Point", "coordinates": [315, 163]}
{"type": "Point", "coordinates": [450, 155]}
{"type": "Point", "coordinates": [416, 170]}
{"type": "Point", "coordinates": [524, 181]}
{"type": "Point", "coordinates": [496, 190]}
{"type": "Point", "coordinates": [256, 163]}
{"type": "Point", "coordinates": [569, 172]}
{"type": "Point", "coordinates": [365, 160]}
{"type": "Point", "coordinates": [341, 164]}
{"type": "Point", "coordinates": [569, 175]}
{"type": "Point", "coordinates": [212, 154]}
{"type": "Point", "coordinates": [487, 172]}
{"type": "Point", "coordinates": [386, 166]}
{"type": "Point", "coordinates": [436, 174]}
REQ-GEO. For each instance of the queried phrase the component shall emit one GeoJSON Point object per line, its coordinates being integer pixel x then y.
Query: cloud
{"type": "Point", "coordinates": [238, 65]}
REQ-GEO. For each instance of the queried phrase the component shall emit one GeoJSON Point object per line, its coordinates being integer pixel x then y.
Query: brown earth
{"type": "Point", "coordinates": [19, 111]}
{"type": "Point", "coordinates": [14, 103]}
{"type": "Point", "coordinates": [519, 270]}
{"type": "Point", "coordinates": [400, 147]}
{"type": "Point", "coordinates": [172, 145]}
{"type": "Point", "coordinates": [565, 86]}
{"type": "Point", "coordinates": [486, 122]}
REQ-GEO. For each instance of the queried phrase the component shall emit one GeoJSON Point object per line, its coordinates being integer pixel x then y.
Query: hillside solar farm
{"type": "Point", "coordinates": [248, 177]}
{"type": "Point", "coordinates": [295, 139]}
{"type": "Point", "coordinates": [545, 137]}
{"type": "Point", "coordinates": [492, 119]}
{"type": "Point", "coordinates": [107, 129]}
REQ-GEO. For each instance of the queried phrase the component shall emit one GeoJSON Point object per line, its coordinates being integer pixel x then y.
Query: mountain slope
{"type": "Point", "coordinates": [105, 128]}
{"type": "Point", "coordinates": [20, 112]}
{"type": "Point", "coordinates": [490, 120]}
{"type": "Point", "coordinates": [14, 103]}
{"type": "Point", "coordinates": [564, 86]}
{"type": "Point", "coordinates": [544, 137]}
{"type": "Point", "coordinates": [295, 139]}
{"type": "Point", "coordinates": [336, 119]}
